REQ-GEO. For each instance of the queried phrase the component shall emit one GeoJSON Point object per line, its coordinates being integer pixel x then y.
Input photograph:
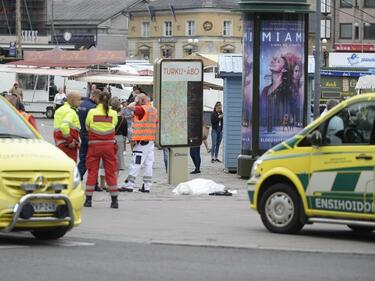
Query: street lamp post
{"type": "Point", "coordinates": [194, 42]}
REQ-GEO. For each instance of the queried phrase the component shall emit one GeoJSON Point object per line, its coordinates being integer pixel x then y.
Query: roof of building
{"type": "Point", "coordinates": [88, 11]}
{"type": "Point", "coordinates": [93, 12]}
{"type": "Point", "coordinates": [158, 5]}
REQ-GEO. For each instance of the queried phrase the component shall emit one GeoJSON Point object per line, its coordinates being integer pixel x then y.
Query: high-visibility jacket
{"type": "Point", "coordinates": [66, 125]}
{"type": "Point", "coordinates": [145, 129]}
{"type": "Point", "coordinates": [101, 128]}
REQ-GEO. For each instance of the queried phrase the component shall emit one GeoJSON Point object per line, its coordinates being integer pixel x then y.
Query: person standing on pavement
{"type": "Point", "coordinates": [16, 90]}
{"type": "Point", "coordinates": [195, 154]}
{"type": "Point", "coordinates": [67, 127]}
{"type": "Point", "coordinates": [83, 110]}
{"type": "Point", "coordinates": [217, 131]}
{"type": "Point", "coordinates": [14, 100]}
{"type": "Point", "coordinates": [100, 124]}
{"type": "Point", "coordinates": [59, 99]}
{"type": "Point", "coordinates": [121, 133]}
{"type": "Point", "coordinates": [143, 134]}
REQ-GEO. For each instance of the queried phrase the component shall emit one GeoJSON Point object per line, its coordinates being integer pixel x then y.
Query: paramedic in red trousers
{"type": "Point", "coordinates": [143, 134]}
{"type": "Point", "coordinates": [66, 126]}
{"type": "Point", "coordinates": [100, 124]}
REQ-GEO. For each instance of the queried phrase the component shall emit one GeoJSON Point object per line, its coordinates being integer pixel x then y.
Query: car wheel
{"type": "Point", "coordinates": [361, 229]}
{"type": "Point", "coordinates": [50, 112]}
{"type": "Point", "coordinates": [49, 234]}
{"type": "Point", "coordinates": [280, 209]}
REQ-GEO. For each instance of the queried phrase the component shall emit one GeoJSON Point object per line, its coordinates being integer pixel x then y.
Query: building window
{"type": "Point", "coordinates": [347, 3]}
{"type": "Point", "coordinates": [227, 28]}
{"type": "Point", "coordinates": [325, 28]}
{"type": "Point", "coordinates": [369, 32]}
{"type": "Point", "coordinates": [166, 51]}
{"type": "Point", "coordinates": [346, 31]}
{"type": "Point", "coordinates": [190, 28]}
{"type": "Point", "coordinates": [167, 28]}
{"type": "Point", "coordinates": [356, 32]}
{"type": "Point", "coordinates": [326, 6]}
{"type": "Point", "coordinates": [369, 3]}
{"type": "Point", "coordinates": [145, 29]}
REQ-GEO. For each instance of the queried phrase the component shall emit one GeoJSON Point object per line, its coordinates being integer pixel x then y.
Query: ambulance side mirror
{"type": "Point", "coordinates": [315, 139]}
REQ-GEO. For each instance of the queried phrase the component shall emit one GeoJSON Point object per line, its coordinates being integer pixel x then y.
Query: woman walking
{"type": "Point", "coordinates": [101, 123]}
{"type": "Point", "coordinates": [217, 131]}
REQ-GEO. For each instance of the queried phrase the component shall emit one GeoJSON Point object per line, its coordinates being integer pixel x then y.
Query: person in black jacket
{"type": "Point", "coordinates": [217, 131]}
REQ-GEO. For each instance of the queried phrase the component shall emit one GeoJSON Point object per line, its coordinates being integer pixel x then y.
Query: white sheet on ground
{"type": "Point", "coordinates": [198, 187]}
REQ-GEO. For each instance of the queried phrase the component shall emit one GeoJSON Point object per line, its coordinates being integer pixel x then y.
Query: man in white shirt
{"type": "Point", "coordinates": [59, 99]}
{"type": "Point", "coordinates": [335, 125]}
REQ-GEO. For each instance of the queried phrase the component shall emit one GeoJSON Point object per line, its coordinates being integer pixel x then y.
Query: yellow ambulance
{"type": "Point", "coordinates": [40, 187]}
{"type": "Point", "coordinates": [324, 174]}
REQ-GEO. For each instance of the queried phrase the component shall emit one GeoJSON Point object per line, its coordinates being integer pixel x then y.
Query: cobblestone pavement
{"type": "Point", "coordinates": [161, 190]}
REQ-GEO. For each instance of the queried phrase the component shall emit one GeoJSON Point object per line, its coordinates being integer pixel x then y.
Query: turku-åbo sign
{"type": "Point", "coordinates": [180, 100]}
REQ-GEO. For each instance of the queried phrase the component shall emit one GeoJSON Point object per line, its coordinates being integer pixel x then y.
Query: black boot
{"type": "Point", "coordinates": [143, 189]}
{"type": "Point", "coordinates": [88, 202]}
{"type": "Point", "coordinates": [114, 203]}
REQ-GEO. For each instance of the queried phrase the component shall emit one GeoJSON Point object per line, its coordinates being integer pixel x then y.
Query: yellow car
{"type": "Point", "coordinates": [40, 187]}
{"type": "Point", "coordinates": [324, 174]}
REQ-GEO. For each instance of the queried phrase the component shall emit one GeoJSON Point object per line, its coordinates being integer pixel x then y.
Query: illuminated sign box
{"type": "Point", "coordinates": [180, 101]}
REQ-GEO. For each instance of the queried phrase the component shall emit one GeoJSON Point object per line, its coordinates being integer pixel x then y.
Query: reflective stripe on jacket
{"type": "Point", "coordinates": [145, 129]}
{"type": "Point", "coordinates": [66, 125]}
{"type": "Point", "coordinates": [99, 125]}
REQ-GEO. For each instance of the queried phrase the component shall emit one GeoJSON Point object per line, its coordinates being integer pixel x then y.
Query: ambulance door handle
{"type": "Point", "coordinates": [364, 157]}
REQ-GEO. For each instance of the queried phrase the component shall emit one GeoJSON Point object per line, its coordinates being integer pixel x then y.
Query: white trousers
{"type": "Point", "coordinates": [142, 156]}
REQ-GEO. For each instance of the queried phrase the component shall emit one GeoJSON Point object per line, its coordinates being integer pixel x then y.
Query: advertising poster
{"type": "Point", "coordinates": [281, 80]}
{"type": "Point", "coordinates": [246, 124]}
{"type": "Point", "coordinates": [181, 103]}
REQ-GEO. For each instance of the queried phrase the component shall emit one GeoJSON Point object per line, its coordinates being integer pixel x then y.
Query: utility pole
{"type": "Point", "coordinates": [317, 61]}
{"type": "Point", "coordinates": [18, 29]}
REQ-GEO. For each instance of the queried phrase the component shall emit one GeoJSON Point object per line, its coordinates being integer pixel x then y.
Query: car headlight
{"type": "Point", "coordinates": [76, 177]}
{"type": "Point", "coordinates": [255, 170]}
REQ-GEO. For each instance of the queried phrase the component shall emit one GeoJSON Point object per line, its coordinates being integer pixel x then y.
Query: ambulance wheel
{"type": "Point", "coordinates": [361, 229]}
{"type": "Point", "coordinates": [52, 234]}
{"type": "Point", "coordinates": [50, 112]}
{"type": "Point", "coordinates": [280, 209]}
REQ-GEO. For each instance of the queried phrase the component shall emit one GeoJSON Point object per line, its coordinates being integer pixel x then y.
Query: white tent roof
{"type": "Point", "coordinates": [44, 71]}
{"type": "Point", "coordinates": [118, 79]}
{"type": "Point", "coordinates": [366, 82]}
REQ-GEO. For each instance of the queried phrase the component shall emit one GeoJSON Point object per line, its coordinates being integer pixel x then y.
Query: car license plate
{"type": "Point", "coordinates": [44, 207]}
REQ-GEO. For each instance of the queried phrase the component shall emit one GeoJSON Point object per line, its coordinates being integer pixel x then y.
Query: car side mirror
{"type": "Point", "coordinates": [315, 139]}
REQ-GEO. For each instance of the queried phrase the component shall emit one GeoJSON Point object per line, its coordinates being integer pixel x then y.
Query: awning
{"type": "Point", "coordinates": [213, 86]}
{"type": "Point", "coordinates": [70, 59]}
{"type": "Point", "coordinates": [208, 59]}
{"type": "Point", "coordinates": [44, 71]}
{"type": "Point", "coordinates": [117, 79]}
{"type": "Point", "coordinates": [366, 82]}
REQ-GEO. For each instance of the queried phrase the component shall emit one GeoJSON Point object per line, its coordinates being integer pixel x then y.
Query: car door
{"type": "Point", "coordinates": [342, 168]}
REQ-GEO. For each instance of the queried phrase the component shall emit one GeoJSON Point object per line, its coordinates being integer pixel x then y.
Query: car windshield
{"type": "Point", "coordinates": [11, 124]}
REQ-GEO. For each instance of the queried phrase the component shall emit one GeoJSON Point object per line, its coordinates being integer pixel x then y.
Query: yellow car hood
{"type": "Point", "coordinates": [32, 154]}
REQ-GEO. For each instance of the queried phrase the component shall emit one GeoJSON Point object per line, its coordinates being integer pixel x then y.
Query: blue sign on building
{"type": "Point", "coordinates": [12, 49]}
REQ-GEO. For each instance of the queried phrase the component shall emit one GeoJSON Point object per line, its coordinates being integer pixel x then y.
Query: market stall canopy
{"type": "Point", "coordinates": [44, 71]}
{"type": "Point", "coordinates": [131, 80]}
{"type": "Point", "coordinates": [70, 59]}
{"type": "Point", "coordinates": [134, 69]}
{"type": "Point", "coordinates": [366, 82]}
{"type": "Point", "coordinates": [208, 59]}
{"type": "Point", "coordinates": [117, 79]}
